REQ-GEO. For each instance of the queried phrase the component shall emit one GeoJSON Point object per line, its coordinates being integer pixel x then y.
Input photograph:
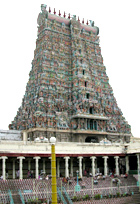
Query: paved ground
{"type": "Point", "coordinates": [107, 201]}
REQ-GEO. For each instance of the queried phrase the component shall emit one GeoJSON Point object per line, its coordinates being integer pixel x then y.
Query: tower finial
{"type": "Point", "coordinates": [59, 13]}
{"type": "Point", "coordinates": [64, 14]}
{"type": "Point", "coordinates": [54, 11]}
{"type": "Point", "coordinates": [49, 10]}
{"type": "Point", "coordinates": [83, 21]}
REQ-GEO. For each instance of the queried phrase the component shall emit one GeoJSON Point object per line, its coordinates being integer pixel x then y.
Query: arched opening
{"type": "Point", "coordinates": [91, 139]}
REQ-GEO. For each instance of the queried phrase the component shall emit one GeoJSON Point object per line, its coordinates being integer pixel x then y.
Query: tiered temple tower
{"type": "Point", "coordinates": [68, 93]}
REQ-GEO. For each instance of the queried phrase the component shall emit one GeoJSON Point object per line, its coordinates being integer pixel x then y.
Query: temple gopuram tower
{"type": "Point", "coordinates": [68, 94]}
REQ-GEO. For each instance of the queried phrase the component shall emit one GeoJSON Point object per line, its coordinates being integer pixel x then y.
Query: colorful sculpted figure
{"type": "Point", "coordinates": [42, 15]}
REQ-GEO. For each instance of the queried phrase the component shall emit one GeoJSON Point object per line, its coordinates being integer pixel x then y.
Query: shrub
{"type": "Point", "coordinates": [97, 197]}
{"type": "Point", "coordinates": [86, 197]}
{"type": "Point", "coordinates": [118, 194]}
{"type": "Point", "coordinates": [74, 198]}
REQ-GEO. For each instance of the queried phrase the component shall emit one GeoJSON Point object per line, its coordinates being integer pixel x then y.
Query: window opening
{"type": "Point", "coordinates": [91, 110]}
{"type": "Point", "coordinates": [95, 125]}
{"type": "Point", "coordinates": [91, 124]}
{"type": "Point", "coordinates": [83, 72]}
{"type": "Point", "coordinates": [87, 95]}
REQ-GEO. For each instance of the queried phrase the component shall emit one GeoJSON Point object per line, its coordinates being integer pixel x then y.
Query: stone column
{"type": "Point", "coordinates": [127, 164]}
{"type": "Point", "coordinates": [86, 123]}
{"type": "Point", "coordinates": [43, 165]}
{"type": "Point", "coordinates": [105, 165]}
{"type": "Point", "coordinates": [80, 166]}
{"type": "Point", "coordinates": [4, 166]}
{"type": "Point", "coordinates": [14, 169]}
{"type": "Point", "coordinates": [36, 167]}
{"type": "Point", "coordinates": [93, 158]}
{"type": "Point", "coordinates": [78, 123]}
{"type": "Point", "coordinates": [25, 135]}
{"type": "Point", "coordinates": [66, 167]}
{"type": "Point", "coordinates": [20, 167]}
{"type": "Point", "coordinates": [138, 163]}
{"type": "Point", "coordinates": [71, 167]}
{"type": "Point", "coordinates": [58, 169]}
{"type": "Point", "coordinates": [117, 165]}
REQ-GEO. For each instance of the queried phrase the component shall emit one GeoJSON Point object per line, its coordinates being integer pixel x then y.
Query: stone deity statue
{"type": "Point", "coordinates": [42, 15]}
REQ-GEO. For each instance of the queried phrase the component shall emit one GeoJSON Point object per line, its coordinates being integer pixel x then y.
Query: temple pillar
{"type": "Point", "coordinates": [78, 123]}
{"type": "Point", "coordinates": [80, 166]}
{"type": "Point", "coordinates": [25, 135]}
{"type": "Point", "coordinates": [36, 167]}
{"type": "Point", "coordinates": [138, 163]}
{"type": "Point", "coordinates": [105, 165]}
{"type": "Point", "coordinates": [117, 165]}
{"type": "Point", "coordinates": [66, 167]}
{"type": "Point", "coordinates": [86, 123]}
{"type": "Point", "coordinates": [20, 167]}
{"type": "Point", "coordinates": [4, 166]}
{"type": "Point", "coordinates": [93, 158]}
{"type": "Point", "coordinates": [127, 164]}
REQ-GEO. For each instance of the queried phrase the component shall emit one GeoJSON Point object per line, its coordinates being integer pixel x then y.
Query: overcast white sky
{"type": "Point", "coordinates": [118, 21]}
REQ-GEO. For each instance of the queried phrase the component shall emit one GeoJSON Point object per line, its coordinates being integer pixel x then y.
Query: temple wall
{"type": "Point", "coordinates": [61, 148]}
{"type": "Point", "coordinates": [10, 135]}
{"type": "Point", "coordinates": [134, 146]}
